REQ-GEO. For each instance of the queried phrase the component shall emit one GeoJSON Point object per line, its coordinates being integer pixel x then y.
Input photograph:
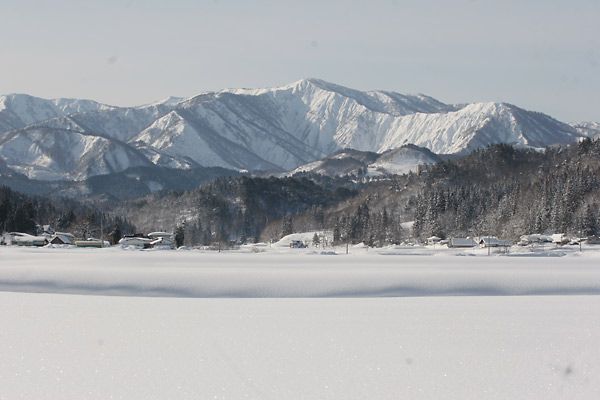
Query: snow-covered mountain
{"type": "Point", "coordinates": [275, 129]}
{"type": "Point", "coordinates": [403, 160]}
{"type": "Point", "coordinates": [588, 129]}
{"type": "Point", "coordinates": [20, 110]}
{"type": "Point", "coordinates": [54, 154]}
{"type": "Point", "coordinates": [400, 160]}
{"type": "Point", "coordinates": [341, 163]}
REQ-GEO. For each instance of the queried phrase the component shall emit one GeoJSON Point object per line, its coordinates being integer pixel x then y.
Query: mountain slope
{"type": "Point", "coordinates": [56, 154]}
{"type": "Point", "coordinates": [478, 125]}
{"type": "Point", "coordinates": [178, 137]}
{"type": "Point", "coordinates": [276, 129]}
{"type": "Point", "coordinates": [128, 184]}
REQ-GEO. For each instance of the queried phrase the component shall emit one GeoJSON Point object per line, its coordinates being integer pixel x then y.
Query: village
{"type": "Point", "coordinates": [48, 237]}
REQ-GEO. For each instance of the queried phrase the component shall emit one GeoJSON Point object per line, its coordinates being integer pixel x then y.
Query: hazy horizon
{"type": "Point", "coordinates": [539, 55]}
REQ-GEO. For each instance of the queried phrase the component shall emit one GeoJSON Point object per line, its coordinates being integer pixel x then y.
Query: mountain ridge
{"type": "Point", "coordinates": [276, 129]}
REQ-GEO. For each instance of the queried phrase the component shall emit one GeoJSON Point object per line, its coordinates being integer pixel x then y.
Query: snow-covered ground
{"type": "Point", "coordinates": [297, 324]}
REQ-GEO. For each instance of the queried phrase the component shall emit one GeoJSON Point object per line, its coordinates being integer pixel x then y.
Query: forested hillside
{"type": "Point", "coordinates": [239, 209]}
{"type": "Point", "coordinates": [509, 192]}
{"type": "Point", "coordinates": [500, 191]}
{"type": "Point", "coordinates": [22, 213]}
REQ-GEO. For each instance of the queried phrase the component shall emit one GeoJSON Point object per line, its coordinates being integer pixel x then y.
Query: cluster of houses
{"type": "Point", "coordinates": [468, 242]}
{"type": "Point", "coordinates": [560, 239]}
{"type": "Point", "coordinates": [48, 236]}
{"type": "Point", "coordinates": [525, 240]}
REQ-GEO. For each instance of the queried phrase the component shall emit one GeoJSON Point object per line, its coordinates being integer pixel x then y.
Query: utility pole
{"type": "Point", "coordinates": [101, 230]}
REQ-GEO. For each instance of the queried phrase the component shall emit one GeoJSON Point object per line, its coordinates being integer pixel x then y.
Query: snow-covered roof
{"type": "Point", "coordinates": [536, 237]}
{"type": "Point", "coordinates": [25, 238]}
{"type": "Point", "coordinates": [65, 237]}
{"type": "Point", "coordinates": [162, 241]}
{"type": "Point", "coordinates": [135, 241]}
{"type": "Point", "coordinates": [462, 242]}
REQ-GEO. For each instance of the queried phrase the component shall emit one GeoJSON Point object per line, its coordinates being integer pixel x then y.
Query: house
{"type": "Point", "coordinates": [137, 241]}
{"type": "Point", "coordinates": [62, 238]}
{"type": "Point", "coordinates": [560, 239]}
{"type": "Point", "coordinates": [90, 242]}
{"type": "Point", "coordinates": [534, 238]}
{"type": "Point", "coordinates": [433, 240]}
{"type": "Point", "coordinates": [493, 241]}
{"type": "Point", "coordinates": [24, 239]}
{"type": "Point", "coordinates": [461, 243]}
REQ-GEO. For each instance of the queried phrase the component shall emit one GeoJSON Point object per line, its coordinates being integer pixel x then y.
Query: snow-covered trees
{"type": "Point", "coordinates": [21, 213]}
{"type": "Point", "coordinates": [316, 240]}
{"type": "Point", "coordinates": [287, 225]}
{"type": "Point", "coordinates": [508, 192]}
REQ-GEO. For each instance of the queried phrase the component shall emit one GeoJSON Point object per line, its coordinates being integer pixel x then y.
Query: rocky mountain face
{"type": "Point", "coordinates": [274, 129]}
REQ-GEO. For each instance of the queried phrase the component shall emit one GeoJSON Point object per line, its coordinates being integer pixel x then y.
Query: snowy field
{"type": "Point", "coordinates": [277, 323]}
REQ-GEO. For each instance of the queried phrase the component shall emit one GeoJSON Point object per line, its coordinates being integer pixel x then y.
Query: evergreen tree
{"type": "Point", "coordinates": [337, 234]}
{"type": "Point", "coordinates": [179, 235]}
{"type": "Point", "coordinates": [115, 235]}
{"type": "Point", "coordinates": [316, 241]}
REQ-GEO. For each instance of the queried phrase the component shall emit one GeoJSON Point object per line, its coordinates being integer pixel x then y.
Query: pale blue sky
{"type": "Point", "coordinates": [541, 55]}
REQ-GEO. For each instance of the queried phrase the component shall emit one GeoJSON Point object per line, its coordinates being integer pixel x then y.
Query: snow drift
{"type": "Point", "coordinates": [290, 273]}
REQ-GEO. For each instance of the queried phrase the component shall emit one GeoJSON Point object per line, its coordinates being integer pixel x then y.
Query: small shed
{"type": "Point", "coordinates": [433, 239]}
{"type": "Point", "coordinates": [560, 238]}
{"type": "Point", "coordinates": [62, 238]}
{"type": "Point", "coordinates": [461, 242]}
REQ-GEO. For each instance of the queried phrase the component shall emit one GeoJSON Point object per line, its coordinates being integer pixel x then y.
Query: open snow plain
{"type": "Point", "coordinates": [296, 324]}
